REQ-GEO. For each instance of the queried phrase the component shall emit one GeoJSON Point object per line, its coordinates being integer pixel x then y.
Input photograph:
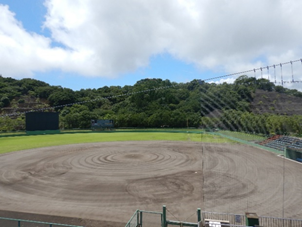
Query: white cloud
{"type": "Point", "coordinates": [22, 52]}
{"type": "Point", "coordinates": [107, 38]}
{"type": "Point", "coordinates": [228, 80]}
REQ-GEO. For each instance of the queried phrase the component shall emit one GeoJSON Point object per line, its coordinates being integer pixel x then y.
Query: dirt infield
{"type": "Point", "coordinates": [106, 182]}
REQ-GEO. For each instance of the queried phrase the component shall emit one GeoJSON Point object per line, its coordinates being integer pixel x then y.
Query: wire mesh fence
{"type": "Point", "coordinates": [134, 220]}
{"type": "Point", "coordinates": [150, 219]}
{"type": "Point", "coordinates": [145, 218]}
{"type": "Point", "coordinates": [240, 220]}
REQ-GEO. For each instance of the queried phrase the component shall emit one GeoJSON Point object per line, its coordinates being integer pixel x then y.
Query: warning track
{"type": "Point", "coordinates": [109, 181]}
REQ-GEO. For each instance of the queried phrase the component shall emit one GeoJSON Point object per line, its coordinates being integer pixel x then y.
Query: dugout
{"type": "Point", "coordinates": [251, 219]}
{"type": "Point", "coordinates": [294, 153]}
{"type": "Point", "coordinates": [42, 123]}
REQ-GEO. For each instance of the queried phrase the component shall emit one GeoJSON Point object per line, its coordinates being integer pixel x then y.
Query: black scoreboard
{"type": "Point", "coordinates": [41, 121]}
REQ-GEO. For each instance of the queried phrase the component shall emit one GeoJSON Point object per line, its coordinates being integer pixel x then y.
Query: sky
{"type": "Point", "coordinates": [82, 44]}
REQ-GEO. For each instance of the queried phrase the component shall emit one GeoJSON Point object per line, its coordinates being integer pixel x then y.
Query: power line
{"type": "Point", "coordinates": [253, 70]}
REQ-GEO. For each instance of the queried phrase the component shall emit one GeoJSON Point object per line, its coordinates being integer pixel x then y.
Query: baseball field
{"type": "Point", "coordinates": [101, 179]}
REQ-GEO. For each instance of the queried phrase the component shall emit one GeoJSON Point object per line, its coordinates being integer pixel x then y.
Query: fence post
{"type": "Point", "coordinates": [137, 217]}
{"type": "Point", "coordinates": [19, 224]}
{"type": "Point", "coordinates": [164, 224]}
{"type": "Point", "coordinates": [50, 225]}
{"type": "Point", "coordinates": [198, 215]}
{"type": "Point", "coordinates": [140, 218]}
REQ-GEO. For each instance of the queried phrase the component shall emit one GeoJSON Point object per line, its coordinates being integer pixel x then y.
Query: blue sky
{"type": "Point", "coordinates": [81, 44]}
{"type": "Point", "coordinates": [30, 13]}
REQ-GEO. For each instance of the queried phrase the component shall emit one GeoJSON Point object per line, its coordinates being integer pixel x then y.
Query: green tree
{"type": "Point", "coordinates": [62, 97]}
{"type": "Point", "coordinates": [5, 101]}
{"type": "Point", "coordinates": [77, 116]}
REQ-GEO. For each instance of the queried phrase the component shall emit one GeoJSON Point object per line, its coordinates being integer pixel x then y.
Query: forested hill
{"type": "Point", "coordinates": [172, 105]}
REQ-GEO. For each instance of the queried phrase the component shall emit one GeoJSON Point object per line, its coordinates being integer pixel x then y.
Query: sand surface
{"type": "Point", "coordinates": [106, 182]}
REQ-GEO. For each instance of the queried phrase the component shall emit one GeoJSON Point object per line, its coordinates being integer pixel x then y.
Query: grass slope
{"type": "Point", "coordinates": [8, 144]}
{"type": "Point", "coordinates": [243, 136]}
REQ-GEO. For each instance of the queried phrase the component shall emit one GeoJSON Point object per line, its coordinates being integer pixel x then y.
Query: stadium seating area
{"type": "Point", "coordinates": [270, 139]}
{"type": "Point", "coordinates": [280, 142]}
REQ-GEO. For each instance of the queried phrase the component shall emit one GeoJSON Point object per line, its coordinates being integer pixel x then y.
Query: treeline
{"type": "Point", "coordinates": [176, 105]}
{"type": "Point", "coordinates": [148, 103]}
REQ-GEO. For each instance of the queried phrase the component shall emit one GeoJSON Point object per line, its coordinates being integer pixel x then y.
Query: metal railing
{"type": "Point", "coordinates": [11, 222]}
{"type": "Point", "coordinates": [234, 219]}
{"type": "Point", "coordinates": [142, 218]}
{"type": "Point", "coordinates": [279, 222]}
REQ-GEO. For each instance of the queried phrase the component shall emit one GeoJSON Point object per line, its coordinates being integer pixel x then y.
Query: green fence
{"type": "Point", "coordinates": [145, 218]}
{"type": "Point", "coordinates": [142, 218]}
{"type": "Point", "coordinates": [24, 133]}
{"type": "Point", "coordinates": [11, 222]}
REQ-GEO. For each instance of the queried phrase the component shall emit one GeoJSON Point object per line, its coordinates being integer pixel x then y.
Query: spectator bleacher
{"type": "Point", "coordinates": [280, 142]}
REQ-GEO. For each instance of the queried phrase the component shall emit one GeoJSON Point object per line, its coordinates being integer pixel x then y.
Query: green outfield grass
{"type": "Point", "coordinates": [8, 144]}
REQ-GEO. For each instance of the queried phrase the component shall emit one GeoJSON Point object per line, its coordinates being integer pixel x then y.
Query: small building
{"type": "Point", "coordinates": [294, 152]}
{"type": "Point", "coordinates": [102, 124]}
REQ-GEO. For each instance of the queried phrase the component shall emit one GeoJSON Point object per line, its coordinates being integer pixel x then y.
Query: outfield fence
{"type": "Point", "coordinates": [11, 222]}
{"type": "Point", "coordinates": [27, 133]}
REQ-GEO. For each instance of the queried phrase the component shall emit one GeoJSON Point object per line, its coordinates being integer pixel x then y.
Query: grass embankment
{"type": "Point", "coordinates": [8, 144]}
{"type": "Point", "coordinates": [243, 136]}
{"type": "Point", "coordinates": [12, 133]}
